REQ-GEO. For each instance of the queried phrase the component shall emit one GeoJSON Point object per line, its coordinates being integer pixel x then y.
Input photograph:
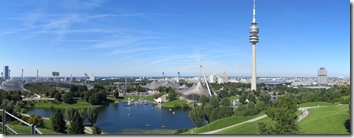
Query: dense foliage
{"type": "Point", "coordinates": [77, 124]}
{"type": "Point", "coordinates": [283, 111]}
{"type": "Point", "coordinates": [58, 123]}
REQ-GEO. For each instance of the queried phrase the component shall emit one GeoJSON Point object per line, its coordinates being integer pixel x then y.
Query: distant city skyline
{"type": "Point", "coordinates": [146, 38]}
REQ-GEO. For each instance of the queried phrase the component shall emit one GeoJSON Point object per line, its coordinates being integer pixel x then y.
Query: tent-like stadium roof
{"type": "Point", "coordinates": [195, 91]}
{"type": "Point", "coordinates": [13, 85]}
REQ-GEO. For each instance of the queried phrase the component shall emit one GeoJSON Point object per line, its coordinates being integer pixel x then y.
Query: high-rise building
{"type": "Point", "coordinates": [254, 30]}
{"type": "Point", "coordinates": [6, 73]}
{"type": "Point", "coordinates": [322, 76]}
{"type": "Point", "coordinates": [220, 80]}
{"type": "Point", "coordinates": [225, 77]}
{"type": "Point", "coordinates": [212, 78]}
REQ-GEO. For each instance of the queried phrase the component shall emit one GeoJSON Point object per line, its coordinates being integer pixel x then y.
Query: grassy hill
{"type": "Point", "coordinates": [328, 119]}
{"type": "Point", "coordinates": [61, 105]}
{"type": "Point", "coordinates": [248, 128]}
{"type": "Point", "coordinates": [224, 122]}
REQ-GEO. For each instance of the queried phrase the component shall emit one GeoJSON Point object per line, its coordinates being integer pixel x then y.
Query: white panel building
{"type": "Point", "coordinates": [212, 78]}
{"type": "Point", "coordinates": [322, 76]}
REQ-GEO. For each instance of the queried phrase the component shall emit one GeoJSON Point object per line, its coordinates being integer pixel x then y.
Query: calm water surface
{"type": "Point", "coordinates": [116, 118]}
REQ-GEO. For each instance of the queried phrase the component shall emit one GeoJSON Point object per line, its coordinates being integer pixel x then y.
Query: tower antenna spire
{"type": "Point", "coordinates": [254, 11]}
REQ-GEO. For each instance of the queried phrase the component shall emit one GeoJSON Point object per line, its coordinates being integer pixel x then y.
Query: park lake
{"type": "Point", "coordinates": [118, 118]}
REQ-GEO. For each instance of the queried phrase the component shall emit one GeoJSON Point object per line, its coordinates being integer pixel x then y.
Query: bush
{"type": "Point", "coordinates": [36, 120]}
{"type": "Point", "coordinates": [96, 130]}
{"type": "Point", "coordinates": [179, 131]}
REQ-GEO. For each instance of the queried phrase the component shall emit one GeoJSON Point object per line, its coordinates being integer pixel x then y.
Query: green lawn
{"type": "Point", "coordinates": [315, 104]}
{"type": "Point", "coordinates": [150, 132]}
{"type": "Point", "coordinates": [61, 105]}
{"type": "Point", "coordinates": [326, 120]}
{"type": "Point", "coordinates": [322, 120]}
{"type": "Point", "coordinates": [247, 128]}
{"type": "Point", "coordinates": [27, 130]}
{"type": "Point", "coordinates": [224, 122]}
{"type": "Point", "coordinates": [345, 97]}
{"type": "Point", "coordinates": [174, 103]}
{"type": "Point", "coordinates": [147, 98]}
{"type": "Point", "coordinates": [232, 98]}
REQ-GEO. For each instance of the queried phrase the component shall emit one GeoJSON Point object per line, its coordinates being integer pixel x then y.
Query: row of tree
{"type": "Point", "coordinates": [76, 120]}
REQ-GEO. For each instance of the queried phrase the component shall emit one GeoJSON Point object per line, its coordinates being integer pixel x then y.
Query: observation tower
{"type": "Point", "coordinates": [254, 30]}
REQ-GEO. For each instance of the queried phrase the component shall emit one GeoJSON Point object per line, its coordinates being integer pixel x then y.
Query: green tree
{"type": "Point", "coordinates": [96, 130]}
{"type": "Point", "coordinates": [83, 113]}
{"type": "Point", "coordinates": [36, 120]}
{"type": "Point", "coordinates": [69, 113]}
{"type": "Point", "coordinates": [203, 99]}
{"type": "Point", "coordinates": [92, 114]}
{"type": "Point", "coordinates": [116, 94]}
{"type": "Point", "coordinates": [265, 97]}
{"type": "Point", "coordinates": [251, 97]}
{"type": "Point", "coordinates": [283, 111]}
{"type": "Point", "coordinates": [243, 97]}
{"type": "Point", "coordinates": [225, 102]}
{"type": "Point", "coordinates": [58, 123]}
{"type": "Point", "coordinates": [77, 124]}
{"type": "Point", "coordinates": [68, 98]}
{"type": "Point", "coordinates": [97, 98]}
{"type": "Point", "coordinates": [172, 95]}
{"type": "Point", "coordinates": [207, 112]}
{"type": "Point", "coordinates": [213, 101]}
{"type": "Point", "coordinates": [57, 96]}
{"type": "Point", "coordinates": [197, 116]}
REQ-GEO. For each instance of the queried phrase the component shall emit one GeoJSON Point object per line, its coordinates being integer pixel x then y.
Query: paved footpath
{"type": "Point", "coordinates": [303, 115]}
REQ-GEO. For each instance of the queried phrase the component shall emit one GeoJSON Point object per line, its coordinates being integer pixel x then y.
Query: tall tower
{"type": "Point", "coordinates": [37, 74]}
{"type": "Point", "coordinates": [254, 30]}
{"type": "Point", "coordinates": [6, 73]}
{"type": "Point", "coordinates": [178, 78]}
{"type": "Point", "coordinates": [163, 76]}
{"type": "Point", "coordinates": [22, 74]}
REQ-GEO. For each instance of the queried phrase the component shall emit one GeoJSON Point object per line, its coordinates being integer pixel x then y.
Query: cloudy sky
{"type": "Point", "coordinates": [148, 37]}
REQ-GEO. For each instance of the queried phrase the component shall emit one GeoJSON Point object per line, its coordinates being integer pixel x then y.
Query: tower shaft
{"type": "Point", "coordinates": [253, 81]}
{"type": "Point", "coordinates": [254, 30]}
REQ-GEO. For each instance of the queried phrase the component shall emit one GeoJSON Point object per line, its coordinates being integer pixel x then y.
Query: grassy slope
{"type": "Point", "coordinates": [171, 104]}
{"type": "Point", "coordinates": [62, 105]}
{"type": "Point", "coordinates": [326, 120]}
{"type": "Point", "coordinates": [247, 128]}
{"type": "Point", "coordinates": [315, 104]}
{"type": "Point", "coordinates": [228, 121]}
{"type": "Point", "coordinates": [148, 98]}
{"type": "Point", "coordinates": [27, 130]}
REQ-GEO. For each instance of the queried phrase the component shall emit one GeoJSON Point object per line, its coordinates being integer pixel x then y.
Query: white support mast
{"type": "Point", "coordinates": [201, 67]}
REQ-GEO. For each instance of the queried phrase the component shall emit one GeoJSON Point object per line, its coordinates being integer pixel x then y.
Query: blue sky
{"type": "Point", "coordinates": [148, 37]}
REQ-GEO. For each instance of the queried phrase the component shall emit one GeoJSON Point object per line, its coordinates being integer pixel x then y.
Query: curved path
{"type": "Point", "coordinates": [303, 115]}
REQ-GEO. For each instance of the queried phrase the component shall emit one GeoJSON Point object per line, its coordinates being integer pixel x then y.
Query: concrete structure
{"type": "Point", "coordinates": [178, 78]}
{"type": "Point", "coordinates": [225, 77]}
{"type": "Point", "coordinates": [254, 30]}
{"type": "Point", "coordinates": [322, 76]}
{"type": "Point", "coordinates": [212, 78]}
{"type": "Point", "coordinates": [220, 81]}
{"type": "Point", "coordinates": [92, 78]}
{"type": "Point", "coordinates": [6, 73]}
